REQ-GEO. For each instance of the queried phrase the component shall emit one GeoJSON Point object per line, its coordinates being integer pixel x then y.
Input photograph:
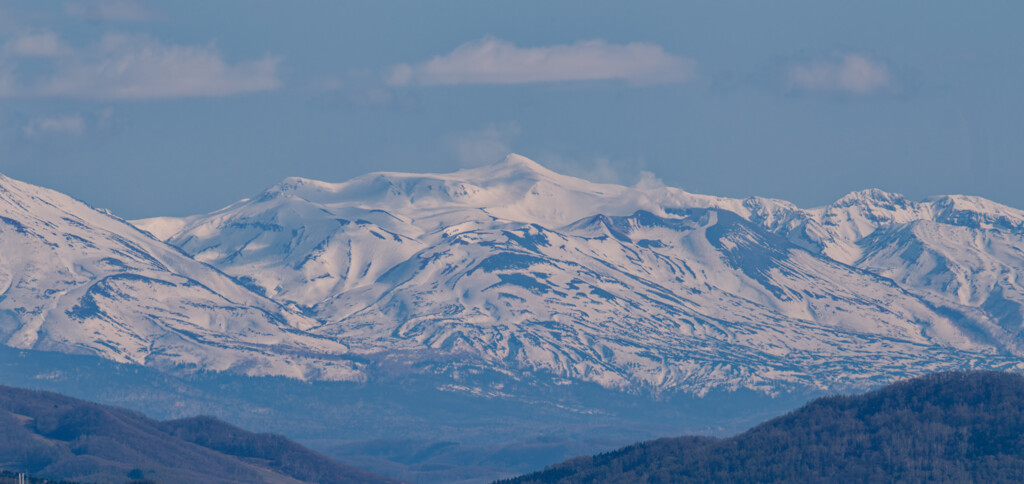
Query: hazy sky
{"type": "Point", "coordinates": [174, 108]}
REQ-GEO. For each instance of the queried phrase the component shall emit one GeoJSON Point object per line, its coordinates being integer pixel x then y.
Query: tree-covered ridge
{"type": "Point", "coordinates": [267, 450]}
{"type": "Point", "coordinates": [51, 436]}
{"type": "Point", "coordinates": [946, 427]}
{"type": "Point", "coordinates": [8, 477]}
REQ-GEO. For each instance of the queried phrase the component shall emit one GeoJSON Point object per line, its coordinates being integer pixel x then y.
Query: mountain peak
{"type": "Point", "coordinates": [870, 196]}
{"type": "Point", "coordinates": [967, 202]}
{"type": "Point", "coordinates": [521, 161]}
{"type": "Point", "coordinates": [517, 166]}
{"type": "Point", "coordinates": [299, 184]}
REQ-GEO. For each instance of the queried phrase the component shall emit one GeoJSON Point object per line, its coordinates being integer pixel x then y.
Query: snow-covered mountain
{"type": "Point", "coordinates": [961, 254]}
{"type": "Point", "coordinates": [78, 280]}
{"type": "Point", "coordinates": [517, 269]}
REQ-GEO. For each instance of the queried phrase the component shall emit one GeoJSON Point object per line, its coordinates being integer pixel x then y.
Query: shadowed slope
{"type": "Point", "coordinates": [947, 427]}
{"type": "Point", "coordinates": [53, 436]}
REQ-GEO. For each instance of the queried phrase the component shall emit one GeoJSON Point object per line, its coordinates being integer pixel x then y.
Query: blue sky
{"type": "Point", "coordinates": [174, 108]}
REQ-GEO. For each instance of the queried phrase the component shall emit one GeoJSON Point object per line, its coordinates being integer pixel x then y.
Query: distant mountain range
{"type": "Point", "coordinates": [512, 269]}
{"type": "Point", "coordinates": [52, 436]}
{"type": "Point", "coordinates": [79, 280]}
{"type": "Point", "coordinates": [949, 427]}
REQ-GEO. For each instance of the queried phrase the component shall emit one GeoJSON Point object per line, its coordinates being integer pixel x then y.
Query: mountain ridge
{"type": "Point", "coordinates": [358, 254]}
{"type": "Point", "coordinates": [79, 280]}
{"type": "Point", "coordinates": [947, 427]}
{"type": "Point", "coordinates": [512, 288]}
{"type": "Point", "coordinates": [59, 437]}
{"type": "Point", "coordinates": [518, 269]}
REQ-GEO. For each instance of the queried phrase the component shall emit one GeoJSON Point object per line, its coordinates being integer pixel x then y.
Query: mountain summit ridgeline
{"type": "Point", "coordinates": [515, 270]}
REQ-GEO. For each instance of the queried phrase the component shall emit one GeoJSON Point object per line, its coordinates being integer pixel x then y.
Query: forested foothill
{"type": "Point", "coordinates": [945, 427]}
{"type": "Point", "coordinates": [50, 436]}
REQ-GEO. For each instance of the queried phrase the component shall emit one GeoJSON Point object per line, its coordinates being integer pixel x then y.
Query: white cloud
{"type": "Point", "coordinates": [70, 124]}
{"type": "Point", "coordinates": [852, 73]}
{"type": "Point", "coordinates": [138, 67]}
{"type": "Point", "coordinates": [485, 146]}
{"type": "Point", "coordinates": [494, 61]}
{"type": "Point", "coordinates": [648, 181]}
{"type": "Point", "coordinates": [599, 169]}
{"type": "Point", "coordinates": [116, 10]}
{"type": "Point", "coordinates": [603, 172]}
{"type": "Point", "coordinates": [45, 44]}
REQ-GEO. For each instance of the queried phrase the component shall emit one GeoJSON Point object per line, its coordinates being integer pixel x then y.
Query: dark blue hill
{"type": "Point", "coordinates": [57, 437]}
{"type": "Point", "coordinates": [946, 427]}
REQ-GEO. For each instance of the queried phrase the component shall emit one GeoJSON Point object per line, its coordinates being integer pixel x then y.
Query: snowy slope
{"type": "Point", "coordinates": [303, 241]}
{"type": "Point", "coordinates": [694, 302]}
{"type": "Point", "coordinates": [77, 280]}
{"type": "Point", "coordinates": [520, 269]}
{"type": "Point", "coordinates": [973, 270]}
{"type": "Point", "coordinates": [958, 252]}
